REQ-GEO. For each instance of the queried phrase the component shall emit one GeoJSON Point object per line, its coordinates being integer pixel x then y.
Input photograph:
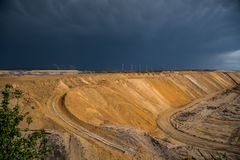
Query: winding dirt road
{"type": "Point", "coordinates": [164, 123]}
{"type": "Point", "coordinates": [59, 110]}
{"type": "Point", "coordinates": [71, 123]}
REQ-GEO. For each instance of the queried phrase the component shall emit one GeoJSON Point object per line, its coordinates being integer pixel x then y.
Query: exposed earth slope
{"type": "Point", "coordinates": [166, 115]}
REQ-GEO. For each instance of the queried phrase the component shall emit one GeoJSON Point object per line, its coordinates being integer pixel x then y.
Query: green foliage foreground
{"type": "Point", "coordinates": [16, 142]}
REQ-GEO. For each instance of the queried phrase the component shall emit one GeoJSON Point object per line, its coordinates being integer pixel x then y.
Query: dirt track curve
{"type": "Point", "coordinates": [57, 108]}
{"type": "Point", "coordinates": [164, 123]}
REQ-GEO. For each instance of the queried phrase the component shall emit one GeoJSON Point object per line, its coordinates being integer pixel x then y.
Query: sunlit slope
{"type": "Point", "coordinates": [124, 99]}
{"type": "Point", "coordinates": [137, 99]}
{"type": "Point", "coordinates": [78, 104]}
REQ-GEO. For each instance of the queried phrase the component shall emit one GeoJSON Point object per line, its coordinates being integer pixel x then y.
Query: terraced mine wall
{"type": "Point", "coordinates": [114, 115]}
{"type": "Point", "coordinates": [137, 100]}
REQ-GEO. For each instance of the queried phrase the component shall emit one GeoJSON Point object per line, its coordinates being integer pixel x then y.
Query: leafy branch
{"type": "Point", "coordinates": [15, 142]}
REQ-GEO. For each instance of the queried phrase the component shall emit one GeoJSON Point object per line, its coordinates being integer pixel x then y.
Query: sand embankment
{"type": "Point", "coordinates": [115, 115]}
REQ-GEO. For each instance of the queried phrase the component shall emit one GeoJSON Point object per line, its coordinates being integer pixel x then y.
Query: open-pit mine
{"type": "Point", "coordinates": [150, 116]}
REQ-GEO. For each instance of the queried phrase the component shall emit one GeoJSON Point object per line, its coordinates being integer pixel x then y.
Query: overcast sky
{"type": "Point", "coordinates": [104, 34]}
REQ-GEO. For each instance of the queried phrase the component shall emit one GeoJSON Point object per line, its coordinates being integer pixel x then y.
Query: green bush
{"type": "Point", "coordinates": [15, 142]}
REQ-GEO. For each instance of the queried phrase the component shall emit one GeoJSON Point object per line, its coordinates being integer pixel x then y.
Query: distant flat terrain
{"type": "Point", "coordinates": [37, 72]}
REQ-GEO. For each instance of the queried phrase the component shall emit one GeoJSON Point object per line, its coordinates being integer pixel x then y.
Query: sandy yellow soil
{"type": "Point", "coordinates": [125, 115]}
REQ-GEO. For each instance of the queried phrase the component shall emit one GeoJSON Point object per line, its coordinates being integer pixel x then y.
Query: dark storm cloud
{"type": "Point", "coordinates": [123, 16]}
{"type": "Point", "coordinates": [102, 34]}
